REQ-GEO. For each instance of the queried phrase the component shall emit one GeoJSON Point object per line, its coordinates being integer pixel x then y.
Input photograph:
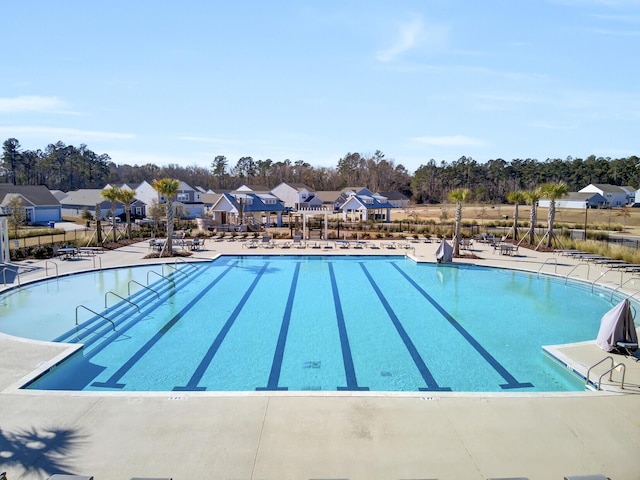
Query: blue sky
{"type": "Point", "coordinates": [181, 82]}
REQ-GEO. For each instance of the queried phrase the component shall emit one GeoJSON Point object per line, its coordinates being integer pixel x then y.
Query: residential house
{"type": "Point", "coordinates": [297, 196]}
{"type": "Point", "coordinates": [78, 201]}
{"type": "Point", "coordinates": [253, 209]}
{"type": "Point", "coordinates": [364, 205]}
{"type": "Point", "coordinates": [41, 207]}
{"type": "Point", "coordinates": [397, 199]}
{"type": "Point", "coordinates": [577, 200]}
{"type": "Point", "coordinates": [188, 202]}
{"type": "Point", "coordinates": [616, 196]}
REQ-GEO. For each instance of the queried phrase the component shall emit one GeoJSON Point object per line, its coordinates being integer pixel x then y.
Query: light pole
{"type": "Point", "coordinates": [586, 209]}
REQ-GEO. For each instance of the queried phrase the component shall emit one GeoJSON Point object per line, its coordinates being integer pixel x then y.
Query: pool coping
{"type": "Point", "coordinates": [558, 353]}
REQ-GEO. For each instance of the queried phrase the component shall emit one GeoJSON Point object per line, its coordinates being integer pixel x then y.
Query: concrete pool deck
{"type": "Point", "coordinates": [323, 435]}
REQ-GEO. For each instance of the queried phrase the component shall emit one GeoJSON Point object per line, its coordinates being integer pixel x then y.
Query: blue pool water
{"type": "Point", "coordinates": [307, 323]}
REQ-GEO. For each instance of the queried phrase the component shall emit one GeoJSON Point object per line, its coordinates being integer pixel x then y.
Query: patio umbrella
{"type": "Point", "coordinates": [617, 331]}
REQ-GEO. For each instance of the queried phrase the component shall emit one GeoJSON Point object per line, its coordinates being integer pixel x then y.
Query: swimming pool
{"type": "Point", "coordinates": [356, 323]}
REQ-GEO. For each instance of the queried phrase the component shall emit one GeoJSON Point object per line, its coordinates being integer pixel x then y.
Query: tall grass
{"type": "Point", "coordinates": [617, 252]}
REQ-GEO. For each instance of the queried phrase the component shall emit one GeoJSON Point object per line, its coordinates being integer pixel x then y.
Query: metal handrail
{"type": "Point", "coordinates": [555, 261]}
{"type": "Point", "coordinates": [603, 274]}
{"type": "Point", "coordinates": [566, 278]}
{"type": "Point", "coordinates": [178, 259]}
{"type": "Point", "coordinates": [120, 297]}
{"type": "Point", "coordinates": [610, 372]}
{"type": "Point", "coordinates": [160, 275]}
{"type": "Point", "coordinates": [99, 261]}
{"type": "Point", "coordinates": [95, 313]}
{"type": "Point", "coordinates": [174, 268]}
{"type": "Point", "coordinates": [622, 285]}
{"type": "Point", "coordinates": [608, 357]}
{"type": "Point", "coordinates": [4, 275]}
{"type": "Point", "coordinates": [143, 286]}
{"type": "Point", "coordinates": [46, 269]}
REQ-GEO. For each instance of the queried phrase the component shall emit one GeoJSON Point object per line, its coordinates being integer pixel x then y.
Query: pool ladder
{"type": "Point", "coordinates": [617, 366]}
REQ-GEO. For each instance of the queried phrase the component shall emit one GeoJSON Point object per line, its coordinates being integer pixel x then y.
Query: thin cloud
{"type": "Point", "coordinates": [414, 34]}
{"type": "Point", "coordinates": [450, 141]}
{"type": "Point", "coordinates": [212, 140]}
{"type": "Point", "coordinates": [33, 104]}
{"type": "Point", "coordinates": [63, 134]}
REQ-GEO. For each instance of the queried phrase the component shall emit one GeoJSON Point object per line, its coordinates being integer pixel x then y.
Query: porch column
{"type": "Point", "coordinates": [326, 226]}
{"type": "Point", "coordinates": [304, 226]}
{"type": "Point", "coordinates": [4, 240]}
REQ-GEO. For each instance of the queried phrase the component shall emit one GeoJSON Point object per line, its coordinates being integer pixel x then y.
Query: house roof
{"type": "Point", "coordinates": [37, 195]}
{"type": "Point", "coordinates": [607, 188]}
{"type": "Point", "coordinates": [370, 202]}
{"type": "Point", "coordinates": [300, 186]}
{"type": "Point", "coordinates": [257, 203]}
{"type": "Point", "coordinates": [252, 188]}
{"type": "Point", "coordinates": [394, 195]}
{"type": "Point", "coordinates": [87, 197]}
{"type": "Point", "coordinates": [328, 196]}
{"type": "Point", "coordinates": [580, 196]}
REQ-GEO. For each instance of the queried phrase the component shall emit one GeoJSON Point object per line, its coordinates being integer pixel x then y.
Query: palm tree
{"type": "Point", "coordinates": [553, 191]}
{"type": "Point", "coordinates": [112, 194]}
{"type": "Point", "coordinates": [459, 195]}
{"type": "Point", "coordinates": [127, 196]}
{"type": "Point", "coordinates": [532, 197]}
{"type": "Point", "coordinates": [516, 197]}
{"type": "Point", "coordinates": [168, 188]}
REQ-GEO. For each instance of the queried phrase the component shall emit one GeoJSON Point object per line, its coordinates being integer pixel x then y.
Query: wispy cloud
{"type": "Point", "coordinates": [63, 134]}
{"type": "Point", "coordinates": [33, 104]}
{"type": "Point", "coordinates": [412, 34]}
{"type": "Point", "coordinates": [211, 140]}
{"type": "Point", "coordinates": [450, 141]}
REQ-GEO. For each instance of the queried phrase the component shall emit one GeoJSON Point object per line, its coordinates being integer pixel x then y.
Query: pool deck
{"type": "Point", "coordinates": [321, 435]}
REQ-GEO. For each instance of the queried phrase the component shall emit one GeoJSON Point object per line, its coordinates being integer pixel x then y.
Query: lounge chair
{"type": "Point", "coordinates": [597, 476]}
{"type": "Point", "coordinates": [297, 241]}
{"type": "Point", "coordinates": [266, 241]}
{"type": "Point", "coordinates": [508, 478]}
{"type": "Point", "coordinates": [151, 478]}
{"type": "Point", "coordinates": [62, 476]}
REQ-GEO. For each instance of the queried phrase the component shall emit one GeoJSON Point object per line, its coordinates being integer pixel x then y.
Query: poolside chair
{"type": "Point", "coordinates": [151, 478]}
{"type": "Point", "coordinates": [597, 476]}
{"type": "Point", "coordinates": [508, 478]}
{"type": "Point", "coordinates": [297, 241]}
{"type": "Point", "coordinates": [266, 241]}
{"type": "Point", "coordinates": [62, 476]}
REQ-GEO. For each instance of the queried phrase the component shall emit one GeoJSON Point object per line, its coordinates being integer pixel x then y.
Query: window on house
{"type": "Point", "coordinates": [182, 197]}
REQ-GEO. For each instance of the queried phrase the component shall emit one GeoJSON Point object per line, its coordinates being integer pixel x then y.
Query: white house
{"type": "Point", "coordinates": [616, 196]}
{"type": "Point", "coordinates": [363, 204]}
{"type": "Point", "coordinates": [297, 195]}
{"type": "Point", "coordinates": [576, 200]}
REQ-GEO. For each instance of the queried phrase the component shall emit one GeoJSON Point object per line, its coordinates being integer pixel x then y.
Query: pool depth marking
{"type": "Point", "coordinates": [192, 385]}
{"type": "Point", "coordinates": [347, 358]}
{"type": "Point", "coordinates": [428, 378]}
{"type": "Point", "coordinates": [276, 365]}
{"type": "Point", "coordinates": [112, 382]}
{"type": "Point", "coordinates": [497, 366]}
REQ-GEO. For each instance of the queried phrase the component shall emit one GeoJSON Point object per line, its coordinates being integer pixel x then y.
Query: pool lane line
{"type": "Point", "coordinates": [490, 359]}
{"type": "Point", "coordinates": [276, 364]}
{"type": "Point", "coordinates": [192, 384]}
{"type": "Point", "coordinates": [112, 382]}
{"type": "Point", "coordinates": [428, 378]}
{"type": "Point", "coordinates": [347, 357]}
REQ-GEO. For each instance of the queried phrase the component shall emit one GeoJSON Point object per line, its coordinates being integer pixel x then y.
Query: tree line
{"type": "Point", "coordinates": [66, 167]}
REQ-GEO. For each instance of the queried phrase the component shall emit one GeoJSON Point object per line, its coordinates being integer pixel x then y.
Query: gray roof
{"type": "Point", "coordinates": [37, 195]}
